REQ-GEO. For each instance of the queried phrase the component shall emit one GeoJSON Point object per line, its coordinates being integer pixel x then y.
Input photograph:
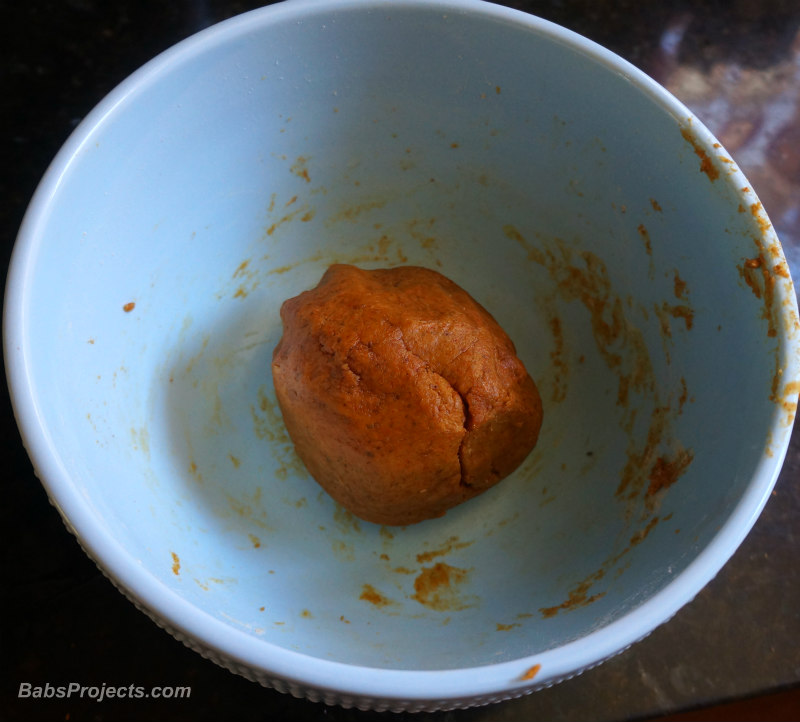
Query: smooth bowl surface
{"type": "Point", "coordinates": [580, 203]}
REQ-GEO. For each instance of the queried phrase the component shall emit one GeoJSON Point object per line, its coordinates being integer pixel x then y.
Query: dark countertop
{"type": "Point", "coordinates": [735, 64]}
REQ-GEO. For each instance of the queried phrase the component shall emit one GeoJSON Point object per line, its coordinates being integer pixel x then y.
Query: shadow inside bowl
{"type": "Point", "coordinates": [269, 551]}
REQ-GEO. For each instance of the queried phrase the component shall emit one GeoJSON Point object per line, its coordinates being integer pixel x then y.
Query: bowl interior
{"type": "Point", "coordinates": [600, 227]}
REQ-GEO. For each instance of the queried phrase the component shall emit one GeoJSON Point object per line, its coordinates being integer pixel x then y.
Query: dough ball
{"type": "Point", "coordinates": [402, 395]}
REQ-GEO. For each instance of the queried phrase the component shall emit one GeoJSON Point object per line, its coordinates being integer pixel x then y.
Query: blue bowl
{"type": "Point", "coordinates": [598, 220]}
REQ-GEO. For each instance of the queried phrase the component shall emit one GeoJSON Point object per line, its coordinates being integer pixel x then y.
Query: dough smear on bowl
{"type": "Point", "coordinates": [402, 395]}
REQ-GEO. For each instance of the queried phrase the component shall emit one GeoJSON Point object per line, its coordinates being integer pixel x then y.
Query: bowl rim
{"type": "Point", "coordinates": [342, 681]}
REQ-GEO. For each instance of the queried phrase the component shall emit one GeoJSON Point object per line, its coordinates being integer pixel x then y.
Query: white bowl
{"type": "Point", "coordinates": [577, 200]}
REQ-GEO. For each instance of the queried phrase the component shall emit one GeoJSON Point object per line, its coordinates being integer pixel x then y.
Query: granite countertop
{"type": "Point", "coordinates": [737, 68]}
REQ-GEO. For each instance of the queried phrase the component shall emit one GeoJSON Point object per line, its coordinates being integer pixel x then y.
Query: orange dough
{"type": "Point", "coordinates": [402, 395]}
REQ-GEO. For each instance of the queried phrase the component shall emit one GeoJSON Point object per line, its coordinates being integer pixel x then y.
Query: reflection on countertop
{"type": "Point", "coordinates": [754, 111]}
{"type": "Point", "coordinates": [735, 65]}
